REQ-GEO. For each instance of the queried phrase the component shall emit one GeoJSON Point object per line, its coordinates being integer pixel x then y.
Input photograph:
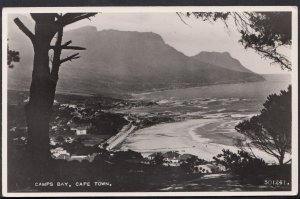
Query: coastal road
{"type": "Point", "coordinates": [120, 137]}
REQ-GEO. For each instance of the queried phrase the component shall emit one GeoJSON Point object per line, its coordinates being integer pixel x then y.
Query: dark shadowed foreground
{"type": "Point", "coordinates": [128, 171]}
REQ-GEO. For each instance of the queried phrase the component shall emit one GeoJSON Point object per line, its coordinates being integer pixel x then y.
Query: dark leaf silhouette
{"type": "Point", "coordinates": [12, 56]}
{"type": "Point", "coordinates": [264, 32]}
{"type": "Point", "coordinates": [271, 130]}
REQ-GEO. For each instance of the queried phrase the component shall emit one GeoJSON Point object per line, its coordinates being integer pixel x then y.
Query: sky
{"type": "Point", "coordinates": [190, 37]}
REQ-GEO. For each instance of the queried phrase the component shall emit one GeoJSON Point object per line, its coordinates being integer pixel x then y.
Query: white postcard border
{"type": "Point", "coordinates": [154, 9]}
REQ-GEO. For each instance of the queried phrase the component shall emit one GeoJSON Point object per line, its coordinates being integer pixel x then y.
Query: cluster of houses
{"type": "Point", "coordinates": [76, 111]}
{"type": "Point", "coordinates": [173, 158]}
{"type": "Point", "coordinates": [170, 158]}
{"type": "Point", "coordinates": [62, 154]}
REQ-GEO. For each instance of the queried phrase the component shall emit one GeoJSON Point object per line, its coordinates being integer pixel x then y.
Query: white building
{"type": "Point", "coordinates": [58, 152]}
{"type": "Point", "coordinates": [81, 129]}
{"type": "Point", "coordinates": [209, 168]}
{"type": "Point", "coordinates": [203, 169]}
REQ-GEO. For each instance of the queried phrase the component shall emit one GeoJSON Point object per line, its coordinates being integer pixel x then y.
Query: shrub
{"type": "Point", "coordinates": [241, 162]}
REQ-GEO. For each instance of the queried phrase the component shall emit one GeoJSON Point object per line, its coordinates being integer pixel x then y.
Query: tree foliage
{"type": "Point", "coordinates": [189, 164]}
{"type": "Point", "coordinates": [158, 159]}
{"type": "Point", "coordinates": [12, 56]}
{"type": "Point", "coordinates": [241, 162]}
{"type": "Point", "coordinates": [270, 131]}
{"type": "Point", "coordinates": [265, 32]}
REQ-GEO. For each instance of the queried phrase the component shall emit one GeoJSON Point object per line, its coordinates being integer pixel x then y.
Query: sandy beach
{"type": "Point", "coordinates": [182, 137]}
{"type": "Point", "coordinates": [179, 136]}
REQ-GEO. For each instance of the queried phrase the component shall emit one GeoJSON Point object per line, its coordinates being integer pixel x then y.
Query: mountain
{"type": "Point", "coordinates": [122, 62]}
{"type": "Point", "coordinates": [223, 60]}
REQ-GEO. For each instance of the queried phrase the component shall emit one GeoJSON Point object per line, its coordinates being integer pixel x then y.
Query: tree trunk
{"type": "Point", "coordinates": [280, 159]}
{"type": "Point", "coordinates": [42, 92]}
{"type": "Point", "coordinates": [44, 80]}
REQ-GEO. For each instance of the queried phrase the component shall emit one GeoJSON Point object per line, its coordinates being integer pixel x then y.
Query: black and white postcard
{"type": "Point", "coordinates": [150, 101]}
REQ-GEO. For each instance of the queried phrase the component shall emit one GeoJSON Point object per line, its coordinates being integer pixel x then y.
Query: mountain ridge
{"type": "Point", "coordinates": [128, 61]}
{"type": "Point", "coordinates": [221, 59]}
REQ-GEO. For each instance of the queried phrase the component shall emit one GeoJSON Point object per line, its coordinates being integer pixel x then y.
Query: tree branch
{"type": "Point", "coordinates": [70, 18]}
{"type": "Point", "coordinates": [57, 52]}
{"type": "Point", "coordinates": [63, 47]}
{"type": "Point", "coordinates": [179, 15]}
{"type": "Point", "coordinates": [70, 58]}
{"type": "Point", "coordinates": [248, 145]}
{"type": "Point", "coordinates": [284, 63]}
{"type": "Point", "coordinates": [290, 160]}
{"type": "Point", "coordinates": [67, 43]}
{"type": "Point", "coordinates": [24, 29]}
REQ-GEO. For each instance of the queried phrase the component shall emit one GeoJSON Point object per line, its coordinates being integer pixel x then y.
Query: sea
{"type": "Point", "coordinates": [208, 116]}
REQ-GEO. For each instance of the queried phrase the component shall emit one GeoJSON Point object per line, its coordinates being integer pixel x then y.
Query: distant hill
{"type": "Point", "coordinates": [223, 60]}
{"type": "Point", "coordinates": [122, 62]}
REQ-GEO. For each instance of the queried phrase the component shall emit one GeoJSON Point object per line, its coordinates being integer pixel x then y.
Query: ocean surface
{"type": "Point", "coordinates": [207, 115]}
{"type": "Point", "coordinates": [249, 90]}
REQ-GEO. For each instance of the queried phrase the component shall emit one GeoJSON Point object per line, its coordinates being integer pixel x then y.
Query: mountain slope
{"type": "Point", "coordinates": [124, 62]}
{"type": "Point", "coordinates": [222, 60]}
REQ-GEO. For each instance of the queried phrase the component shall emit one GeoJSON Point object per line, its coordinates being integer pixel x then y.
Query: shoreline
{"type": "Point", "coordinates": [146, 92]}
{"type": "Point", "coordinates": [175, 136]}
{"type": "Point", "coordinates": [181, 137]}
